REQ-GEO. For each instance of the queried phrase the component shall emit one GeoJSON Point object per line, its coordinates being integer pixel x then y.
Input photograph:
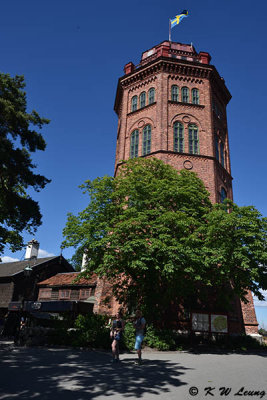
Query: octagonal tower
{"type": "Point", "coordinates": [172, 106]}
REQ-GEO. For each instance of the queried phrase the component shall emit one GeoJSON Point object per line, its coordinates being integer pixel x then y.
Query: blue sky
{"type": "Point", "coordinates": [72, 54]}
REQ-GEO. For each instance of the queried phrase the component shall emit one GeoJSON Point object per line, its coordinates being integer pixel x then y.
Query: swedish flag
{"type": "Point", "coordinates": [178, 18]}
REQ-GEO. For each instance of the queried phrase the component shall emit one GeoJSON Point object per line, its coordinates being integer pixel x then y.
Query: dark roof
{"type": "Point", "coordinates": [12, 268]}
{"type": "Point", "coordinates": [68, 279]}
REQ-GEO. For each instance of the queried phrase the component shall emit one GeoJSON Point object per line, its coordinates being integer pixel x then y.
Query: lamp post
{"type": "Point", "coordinates": [27, 271]}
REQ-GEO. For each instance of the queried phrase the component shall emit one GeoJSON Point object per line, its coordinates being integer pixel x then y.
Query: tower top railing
{"type": "Point", "coordinates": [172, 50]}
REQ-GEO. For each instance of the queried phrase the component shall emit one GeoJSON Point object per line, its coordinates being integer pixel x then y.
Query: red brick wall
{"type": "Point", "coordinates": [249, 315]}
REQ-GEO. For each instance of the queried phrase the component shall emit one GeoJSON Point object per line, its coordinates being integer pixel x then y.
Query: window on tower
{"type": "Point", "coordinates": [142, 99]}
{"type": "Point", "coordinates": [178, 137]}
{"type": "Point", "coordinates": [134, 103]}
{"type": "Point", "coordinates": [146, 140]}
{"type": "Point", "coordinates": [175, 93]}
{"type": "Point", "coordinates": [223, 194]}
{"type": "Point", "coordinates": [151, 96]}
{"type": "Point", "coordinates": [185, 94]}
{"type": "Point", "coordinates": [216, 148]}
{"type": "Point", "coordinates": [134, 144]}
{"type": "Point", "coordinates": [222, 153]}
{"type": "Point", "coordinates": [195, 96]}
{"type": "Point", "coordinates": [193, 139]}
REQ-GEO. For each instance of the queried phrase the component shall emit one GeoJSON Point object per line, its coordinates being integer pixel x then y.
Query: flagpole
{"type": "Point", "coordinates": [170, 39]}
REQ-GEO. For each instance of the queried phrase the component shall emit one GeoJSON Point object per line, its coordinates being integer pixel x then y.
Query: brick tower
{"type": "Point", "coordinates": [172, 106]}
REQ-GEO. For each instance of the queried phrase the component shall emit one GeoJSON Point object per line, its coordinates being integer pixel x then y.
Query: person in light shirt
{"type": "Point", "coordinates": [139, 326]}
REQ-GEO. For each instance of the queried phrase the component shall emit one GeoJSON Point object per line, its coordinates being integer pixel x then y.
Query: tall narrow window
{"type": "Point", "coordinates": [223, 194]}
{"type": "Point", "coordinates": [216, 148]}
{"type": "Point", "coordinates": [151, 96]}
{"type": "Point", "coordinates": [178, 137]}
{"type": "Point", "coordinates": [134, 144]}
{"type": "Point", "coordinates": [222, 154]}
{"type": "Point", "coordinates": [175, 93]}
{"type": "Point", "coordinates": [195, 96]}
{"type": "Point", "coordinates": [146, 140]}
{"type": "Point", "coordinates": [134, 103]}
{"type": "Point", "coordinates": [142, 99]}
{"type": "Point", "coordinates": [185, 95]}
{"type": "Point", "coordinates": [193, 139]}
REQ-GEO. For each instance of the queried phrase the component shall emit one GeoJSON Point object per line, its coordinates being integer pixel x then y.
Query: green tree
{"type": "Point", "coordinates": [155, 235]}
{"type": "Point", "coordinates": [18, 139]}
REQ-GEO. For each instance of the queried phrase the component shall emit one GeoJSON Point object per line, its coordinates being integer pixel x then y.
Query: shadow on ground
{"type": "Point", "coordinates": [36, 373]}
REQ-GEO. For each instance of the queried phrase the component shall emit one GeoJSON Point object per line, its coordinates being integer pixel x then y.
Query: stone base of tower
{"type": "Point", "coordinates": [241, 318]}
{"type": "Point", "coordinates": [106, 303]}
{"type": "Point", "coordinates": [249, 316]}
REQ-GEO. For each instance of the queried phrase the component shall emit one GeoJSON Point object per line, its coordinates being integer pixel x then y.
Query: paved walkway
{"type": "Point", "coordinates": [67, 374]}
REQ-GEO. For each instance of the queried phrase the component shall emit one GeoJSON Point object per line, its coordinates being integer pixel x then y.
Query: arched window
{"type": "Point", "coordinates": [151, 95]}
{"type": "Point", "coordinates": [216, 148]}
{"type": "Point", "coordinates": [193, 139]}
{"type": "Point", "coordinates": [134, 103]}
{"type": "Point", "coordinates": [195, 96]}
{"type": "Point", "coordinates": [185, 95]}
{"type": "Point", "coordinates": [178, 137]}
{"type": "Point", "coordinates": [142, 99]}
{"type": "Point", "coordinates": [146, 140]}
{"type": "Point", "coordinates": [134, 144]}
{"type": "Point", "coordinates": [223, 194]}
{"type": "Point", "coordinates": [175, 93]}
{"type": "Point", "coordinates": [222, 154]}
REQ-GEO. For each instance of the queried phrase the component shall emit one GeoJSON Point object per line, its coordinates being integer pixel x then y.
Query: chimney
{"type": "Point", "coordinates": [84, 260]}
{"type": "Point", "coordinates": [32, 250]}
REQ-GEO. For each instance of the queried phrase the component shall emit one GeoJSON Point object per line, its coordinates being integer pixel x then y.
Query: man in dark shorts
{"type": "Point", "coordinates": [116, 336]}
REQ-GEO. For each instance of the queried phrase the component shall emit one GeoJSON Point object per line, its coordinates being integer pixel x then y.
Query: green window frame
{"type": "Point", "coordinates": [222, 153]}
{"type": "Point", "coordinates": [185, 94]}
{"type": "Point", "coordinates": [151, 96]}
{"type": "Point", "coordinates": [193, 139]}
{"type": "Point", "coordinates": [142, 99]}
{"type": "Point", "coordinates": [146, 140]}
{"type": "Point", "coordinates": [195, 96]}
{"type": "Point", "coordinates": [134, 103]}
{"type": "Point", "coordinates": [175, 93]}
{"type": "Point", "coordinates": [223, 194]}
{"type": "Point", "coordinates": [134, 144]}
{"type": "Point", "coordinates": [178, 137]}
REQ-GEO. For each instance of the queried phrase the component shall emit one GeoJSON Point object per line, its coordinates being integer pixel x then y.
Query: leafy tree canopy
{"type": "Point", "coordinates": [18, 139]}
{"type": "Point", "coordinates": [153, 232]}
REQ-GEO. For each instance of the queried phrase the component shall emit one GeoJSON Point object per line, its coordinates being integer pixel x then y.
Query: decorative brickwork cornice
{"type": "Point", "coordinates": [164, 64]}
{"type": "Point", "coordinates": [139, 110]}
{"type": "Point", "coordinates": [186, 156]}
{"type": "Point", "coordinates": [185, 79]}
{"type": "Point", "coordinates": [181, 103]}
{"type": "Point", "coordinates": [185, 70]}
{"type": "Point", "coordinates": [143, 83]}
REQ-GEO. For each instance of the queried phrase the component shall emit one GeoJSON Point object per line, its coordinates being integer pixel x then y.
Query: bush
{"type": "Point", "coordinates": [128, 338]}
{"type": "Point", "coordinates": [241, 342]}
{"type": "Point", "coordinates": [262, 332]}
{"type": "Point", "coordinates": [91, 330]}
{"type": "Point", "coordinates": [161, 339]}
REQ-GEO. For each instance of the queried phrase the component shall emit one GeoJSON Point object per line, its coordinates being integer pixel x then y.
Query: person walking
{"type": "Point", "coordinates": [116, 336]}
{"type": "Point", "coordinates": [139, 325]}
